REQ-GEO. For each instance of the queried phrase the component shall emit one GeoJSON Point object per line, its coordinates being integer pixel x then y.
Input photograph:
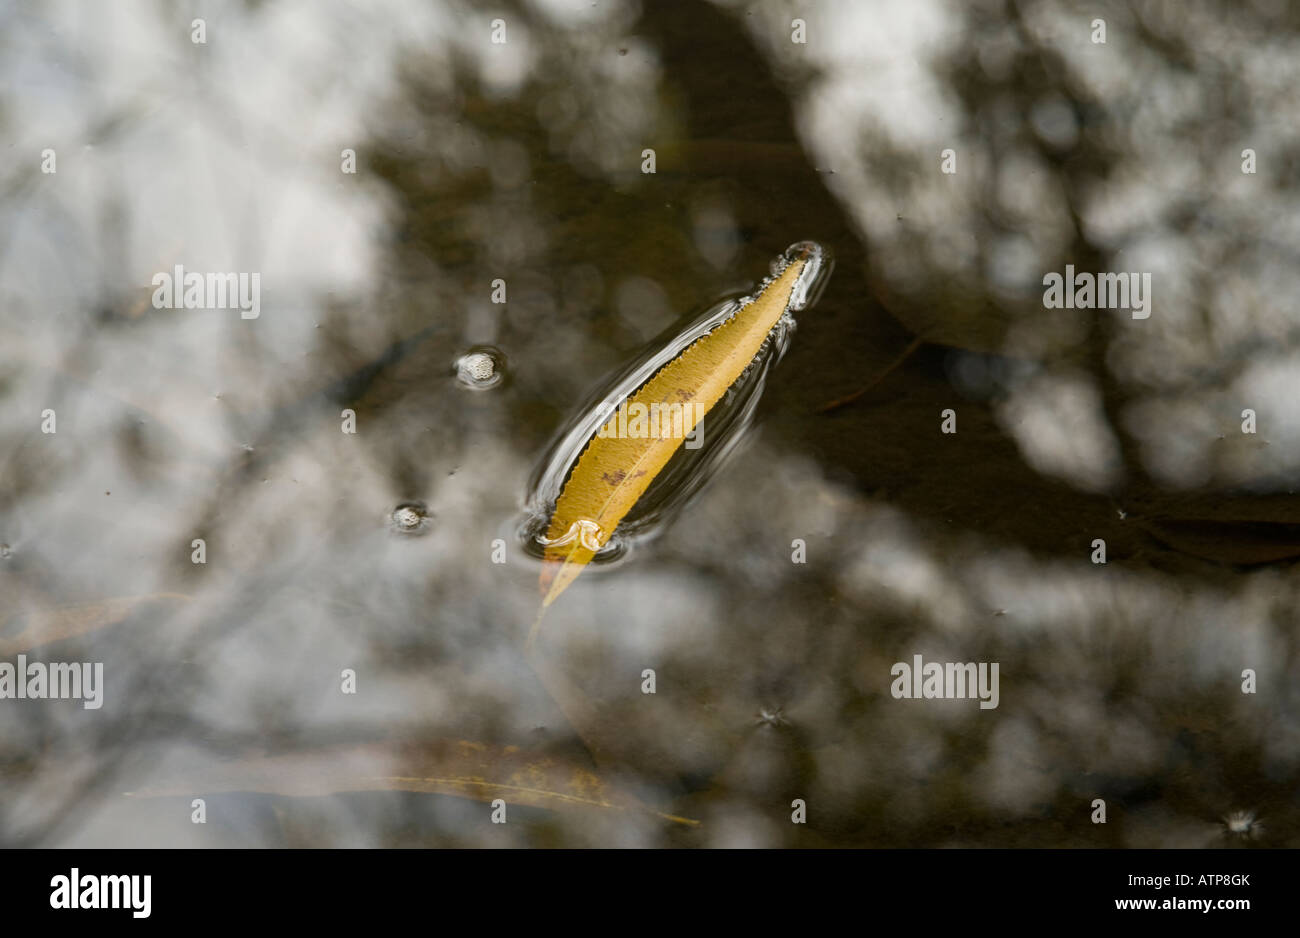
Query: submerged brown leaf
{"type": "Point", "coordinates": [460, 768]}
{"type": "Point", "coordinates": [56, 623]}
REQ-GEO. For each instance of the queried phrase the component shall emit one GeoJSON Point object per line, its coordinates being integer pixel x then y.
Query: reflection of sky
{"type": "Point", "coordinates": [226, 157]}
{"type": "Point", "coordinates": [1225, 285]}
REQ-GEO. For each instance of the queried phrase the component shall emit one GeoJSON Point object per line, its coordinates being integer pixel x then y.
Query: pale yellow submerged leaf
{"type": "Point", "coordinates": [461, 768]}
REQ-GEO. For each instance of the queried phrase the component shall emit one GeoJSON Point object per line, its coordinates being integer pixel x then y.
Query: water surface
{"type": "Point", "coordinates": [514, 171]}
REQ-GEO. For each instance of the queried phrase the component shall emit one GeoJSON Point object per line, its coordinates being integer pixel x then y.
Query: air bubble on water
{"type": "Point", "coordinates": [410, 518]}
{"type": "Point", "coordinates": [478, 367]}
{"type": "Point", "coordinates": [481, 367]}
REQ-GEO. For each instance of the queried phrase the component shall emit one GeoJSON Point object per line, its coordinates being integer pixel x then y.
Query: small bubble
{"type": "Point", "coordinates": [1243, 824]}
{"type": "Point", "coordinates": [410, 518]}
{"type": "Point", "coordinates": [6, 552]}
{"type": "Point", "coordinates": [669, 491]}
{"type": "Point", "coordinates": [480, 368]}
{"type": "Point", "coordinates": [770, 716]}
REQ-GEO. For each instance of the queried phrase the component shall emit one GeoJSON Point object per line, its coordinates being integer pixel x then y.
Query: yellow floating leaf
{"type": "Point", "coordinates": [615, 470]}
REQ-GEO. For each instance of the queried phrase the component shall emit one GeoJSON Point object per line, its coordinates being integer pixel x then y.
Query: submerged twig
{"type": "Point", "coordinates": [840, 402]}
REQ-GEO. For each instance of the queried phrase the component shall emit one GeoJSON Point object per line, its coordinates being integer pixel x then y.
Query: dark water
{"type": "Point", "coordinates": [522, 162]}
